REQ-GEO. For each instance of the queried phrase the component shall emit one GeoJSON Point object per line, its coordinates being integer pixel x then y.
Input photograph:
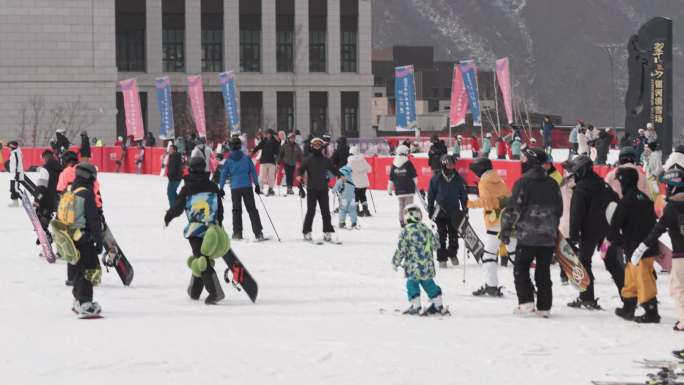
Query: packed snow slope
{"type": "Point", "coordinates": [318, 318]}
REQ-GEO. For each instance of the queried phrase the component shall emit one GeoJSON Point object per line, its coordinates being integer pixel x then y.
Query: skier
{"type": "Point", "coordinates": [360, 169]}
{"type": "Point", "coordinates": [493, 192]}
{"type": "Point", "coordinates": [403, 180]}
{"type": "Point", "coordinates": [269, 147]}
{"type": "Point", "coordinates": [533, 212]}
{"type": "Point", "coordinates": [447, 204]}
{"type": "Point", "coordinates": [344, 188]}
{"type": "Point", "coordinates": [414, 254]}
{"type": "Point", "coordinates": [200, 200]}
{"type": "Point", "coordinates": [632, 221]}
{"type": "Point", "coordinates": [437, 150]}
{"type": "Point", "coordinates": [16, 169]}
{"type": "Point", "coordinates": [627, 158]}
{"type": "Point", "coordinates": [316, 167]}
{"type": "Point", "coordinates": [174, 171]}
{"type": "Point", "coordinates": [241, 172]}
{"type": "Point", "coordinates": [79, 213]}
{"type": "Point", "coordinates": [588, 226]}
{"type": "Point", "coordinates": [290, 154]}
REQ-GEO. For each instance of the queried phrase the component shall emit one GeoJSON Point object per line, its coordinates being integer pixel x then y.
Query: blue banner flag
{"type": "Point", "coordinates": [163, 86]}
{"type": "Point", "coordinates": [405, 96]}
{"type": "Point", "coordinates": [230, 101]}
{"type": "Point", "coordinates": [469, 72]}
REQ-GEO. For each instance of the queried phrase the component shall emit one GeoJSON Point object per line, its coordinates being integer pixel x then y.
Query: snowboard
{"type": "Point", "coordinates": [165, 159]}
{"type": "Point", "coordinates": [472, 242]}
{"type": "Point", "coordinates": [241, 278]}
{"type": "Point", "coordinates": [43, 238]}
{"type": "Point", "coordinates": [570, 263]}
{"type": "Point", "coordinates": [121, 264]}
{"type": "Point", "coordinates": [664, 257]}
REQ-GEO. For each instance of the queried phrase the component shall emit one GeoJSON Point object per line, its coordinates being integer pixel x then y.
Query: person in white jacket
{"type": "Point", "coordinates": [16, 169]}
{"type": "Point", "coordinates": [582, 142]}
{"type": "Point", "coordinates": [360, 169]}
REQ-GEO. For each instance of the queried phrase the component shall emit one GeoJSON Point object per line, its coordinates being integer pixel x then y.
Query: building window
{"type": "Point", "coordinates": [173, 35]}
{"type": "Point", "coordinates": [212, 36]}
{"type": "Point", "coordinates": [250, 35]}
{"type": "Point", "coordinates": [251, 112]}
{"type": "Point", "coordinates": [318, 110]}
{"type": "Point", "coordinates": [130, 36]}
{"type": "Point", "coordinates": [349, 31]}
{"type": "Point", "coordinates": [350, 114]}
{"type": "Point", "coordinates": [286, 111]}
{"type": "Point", "coordinates": [348, 52]}
{"type": "Point", "coordinates": [285, 36]}
{"type": "Point", "coordinates": [318, 36]}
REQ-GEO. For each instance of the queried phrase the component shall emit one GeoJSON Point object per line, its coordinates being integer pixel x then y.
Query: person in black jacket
{"type": "Point", "coordinates": [533, 213]}
{"type": "Point", "coordinates": [174, 171]}
{"type": "Point", "coordinates": [588, 225]}
{"type": "Point", "coordinates": [631, 223]}
{"type": "Point", "coordinates": [270, 148]}
{"type": "Point", "coordinates": [316, 168]}
{"type": "Point", "coordinates": [341, 153]}
{"type": "Point", "coordinates": [200, 199]}
{"type": "Point", "coordinates": [403, 180]}
{"type": "Point", "coordinates": [447, 204]}
{"type": "Point", "coordinates": [60, 143]}
{"type": "Point", "coordinates": [46, 190]}
{"type": "Point", "coordinates": [602, 146]}
{"type": "Point", "coordinates": [437, 150]}
{"type": "Point", "coordinates": [85, 147]}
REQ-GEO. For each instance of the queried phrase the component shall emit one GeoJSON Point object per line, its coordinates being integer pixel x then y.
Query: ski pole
{"type": "Point", "coordinates": [269, 217]}
{"type": "Point", "coordinates": [464, 254]}
{"type": "Point", "coordinates": [372, 200]}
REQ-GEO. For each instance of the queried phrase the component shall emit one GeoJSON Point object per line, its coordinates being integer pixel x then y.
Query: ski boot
{"type": "Point", "coordinates": [270, 192]}
{"type": "Point", "coordinates": [259, 237]}
{"type": "Point", "coordinates": [365, 211]}
{"type": "Point", "coordinates": [414, 309]}
{"type": "Point", "coordinates": [195, 288]}
{"type": "Point", "coordinates": [678, 327]}
{"type": "Point", "coordinates": [651, 315]}
{"type": "Point", "coordinates": [355, 226]}
{"type": "Point", "coordinates": [626, 312]}
{"type": "Point", "coordinates": [289, 191]}
{"type": "Point", "coordinates": [436, 308]}
{"type": "Point", "coordinates": [491, 291]}
{"type": "Point", "coordinates": [342, 225]}
{"type": "Point", "coordinates": [454, 260]}
{"type": "Point", "coordinates": [237, 236]}
{"type": "Point", "coordinates": [69, 282]}
{"type": "Point", "coordinates": [442, 264]}
{"type": "Point", "coordinates": [89, 310]}
{"type": "Point", "coordinates": [588, 305]}
{"type": "Point", "coordinates": [678, 354]}
{"type": "Point", "coordinates": [327, 237]}
{"type": "Point", "coordinates": [213, 286]}
{"type": "Point", "coordinates": [308, 237]}
{"type": "Point", "coordinates": [543, 313]}
{"type": "Point", "coordinates": [525, 309]}
{"type": "Point", "coordinates": [504, 260]}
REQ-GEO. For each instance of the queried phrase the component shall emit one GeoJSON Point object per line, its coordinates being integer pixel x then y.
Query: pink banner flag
{"type": "Point", "coordinates": [459, 99]}
{"type": "Point", "coordinates": [132, 110]}
{"type": "Point", "coordinates": [503, 77]}
{"type": "Point", "coordinates": [196, 93]}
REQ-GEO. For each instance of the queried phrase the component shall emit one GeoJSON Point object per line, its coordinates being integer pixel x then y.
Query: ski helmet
{"type": "Point", "coordinates": [13, 144]}
{"type": "Point", "coordinates": [346, 171]}
{"type": "Point", "coordinates": [581, 167]}
{"type": "Point", "coordinates": [86, 171]}
{"type": "Point", "coordinates": [69, 157]}
{"type": "Point", "coordinates": [235, 143]}
{"type": "Point", "coordinates": [627, 155]}
{"type": "Point", "coordinates": [448, 161]}
{"type": "Point", "coordinates": [412, 214]}
{"type": "Point", "coordinates": [402, 150]}
{"type": "Point", "coordinates": [674, 181]}
{"type": "Point", "coordinates": [197, 164]}
{"type": "Point", "coordinates": [628, 178]}
{"type": "Point", "coordinates": [676, 159]}
{"type": "Point", "coordinates": [534, 156]}
{"type": "Point", "coordinates": [480, 166]}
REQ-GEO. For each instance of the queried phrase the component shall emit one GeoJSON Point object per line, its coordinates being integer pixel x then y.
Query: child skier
{"type": "Point", "coordinates": [402, 180]}
{"type": "Point", "coordinates": [199, 198]}
{"type": "Point", "coordinates": [345, 189]}
{"type": "Point", "coordinates": [632, 221]}
{"type": "Point", "coordinates": [414, 254]}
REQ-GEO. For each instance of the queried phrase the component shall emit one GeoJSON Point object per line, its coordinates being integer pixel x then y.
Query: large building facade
{"type": "Point", "coordinates": [300, 64]}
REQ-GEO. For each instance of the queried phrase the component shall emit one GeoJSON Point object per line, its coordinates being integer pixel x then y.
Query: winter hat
{"type": "Point", "coordinates": [627, 155]}
{"type": "Point", "coordinates": [459, 137]}
{"type": "Point", "coordinates": [197, 164]}
{"type": "Point", "coordinates": [402, 150]}
{"type": "Point", "coordinates": [533, 140]}
{"type": "Point", "coordinates": [346, 171]}
{"type": "Point", "coordinates": [675, 160]}
{"type": "Point", "coordinates": [354, 150]}
{"type": "Point", "coordinates": [13, 144]}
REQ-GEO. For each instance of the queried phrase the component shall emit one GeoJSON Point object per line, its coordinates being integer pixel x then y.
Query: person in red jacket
{"type": "Point", "coordinates": [501, 148]}
{"type": "Point", "coordinates": [475, 146]}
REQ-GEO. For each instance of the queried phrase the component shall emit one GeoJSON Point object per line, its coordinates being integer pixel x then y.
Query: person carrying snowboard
{"type": "Point", "coordinates": [533, 213]}
{"type": "Point", "coordinates": [403, 180]}
{"type": "Point", "coordinates": [493, 193]}
{"type": "Point", "coordinates": [632, 221]}
{"type": "Point", "coordinates": [46, 190]}
{"type": "Point", "coordinates": [316, 168]}
{"type": "Point", "coordinates": [344, 188]}
{"type": "Point", "coordinates": [199, 199]}
{"type": "Point", "coordinates": [447, 204]}
{"type": "Point", "coordinates": [16, 169]}
{"type": "Point", "coordinates": [414, 254]}
{"type": "Point", "coordinates": [241, 172]}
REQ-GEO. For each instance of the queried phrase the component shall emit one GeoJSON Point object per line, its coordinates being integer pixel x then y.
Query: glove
{"type": "Point", "coordinates": [302, 193]}
{"type": "Point", "coordinates": [257, 189]}
{"type": "Point", "coordinates": [221, 194]}
{"type": "Point", "coordinates": [638, 253]}
{"type": "Point", "coordinates": [97, 245]}
{"type": "Point", "coordinates": [167, 220]}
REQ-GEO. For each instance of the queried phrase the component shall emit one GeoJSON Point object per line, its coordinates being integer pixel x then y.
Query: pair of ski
{"type": "Point", "coordinates": [444, 313]}
{"type": "Point", "coordinates": [322, 242]}
{"type": "Point", "coordinates": [667, 375]}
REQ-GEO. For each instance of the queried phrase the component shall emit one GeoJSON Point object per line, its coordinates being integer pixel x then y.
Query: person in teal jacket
{"type": "Point", "coordinates": [515, 148]}
{"type": "Point", "coordinates": [487, 145]}
{"type": "Point", "coordinates": [414, 254]}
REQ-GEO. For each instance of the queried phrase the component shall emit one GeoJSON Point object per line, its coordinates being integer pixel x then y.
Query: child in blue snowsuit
{"type": "Point", "coordinates": [345, 190]}
{"type": "Point", "coordinates": [417, 243]}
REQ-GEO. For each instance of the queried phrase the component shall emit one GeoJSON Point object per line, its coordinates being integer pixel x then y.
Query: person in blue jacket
{"type": "Point", "coordinates": [240, 170]}
{"type": "Point", "coordinates": [447, 204]}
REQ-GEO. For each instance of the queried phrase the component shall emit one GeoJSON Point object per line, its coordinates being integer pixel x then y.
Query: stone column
{"type": "Point", "coordinates": [193, 37]}
{"type": "Point", "coordinates": [268, 36]}
{"type": "Point", "coordinates": [365, 37]}
{"type": "Point", "coordinates": [153, 37]}
{"type": "Point", "coordinates": [365, 113]}
{"type": "Point", "coordinates": [231, 34]}
{"type": "Point", "coordinates": [270, 109]}
{"type": "Point", "coordinates": [333, 49]}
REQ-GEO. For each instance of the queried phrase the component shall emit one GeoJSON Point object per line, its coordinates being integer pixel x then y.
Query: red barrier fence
{"type": "Point", "coordinates": [106, 158]}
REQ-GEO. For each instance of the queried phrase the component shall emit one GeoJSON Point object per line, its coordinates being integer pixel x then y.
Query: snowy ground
{"type": "Point", "coordinates": [317, 320]}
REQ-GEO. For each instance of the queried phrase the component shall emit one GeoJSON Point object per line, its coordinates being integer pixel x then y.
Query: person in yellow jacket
{"type": "Point", "coordinates": [492, 194]}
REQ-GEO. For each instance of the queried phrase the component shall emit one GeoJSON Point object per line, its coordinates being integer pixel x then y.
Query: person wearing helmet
{"type": "Point", "coordinates": [344, 188]}
{"type": "Point", "coordinates": [16, 169]}
{"type": "Point", "coordinates": [360, 169]}
{"type": "Point", "coordinates": [240, 171]}
{"type": "Point", "coordinates": [589, 226]}
{"type": "Point", "coordinates": [403, 180]}
{"type": "Point", "coordinates": [200, 200]}
{"type": "Point", "coordinates": [414, 254]}
{"type": "Point", "coordinates": [492, 194]}
{"type": "Point", "coordinates": [632, 221]}
{"type": "Point", "coordinates": [671, 221]}
{"type": "Point", "coordinates": [627, 158]}
{"type": "Point", "coordinates": [316, 168]}
{"type": "Point", "coordinates": [290, 154]}
{"type": "Point", "coordinates": [447, 204]}
{"type": "Point", "coordinates": [437, 150]}
{"type": "Point", "coordinates": [87, 272]}
{"type": "Point", "coordinates": [533, 212]}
